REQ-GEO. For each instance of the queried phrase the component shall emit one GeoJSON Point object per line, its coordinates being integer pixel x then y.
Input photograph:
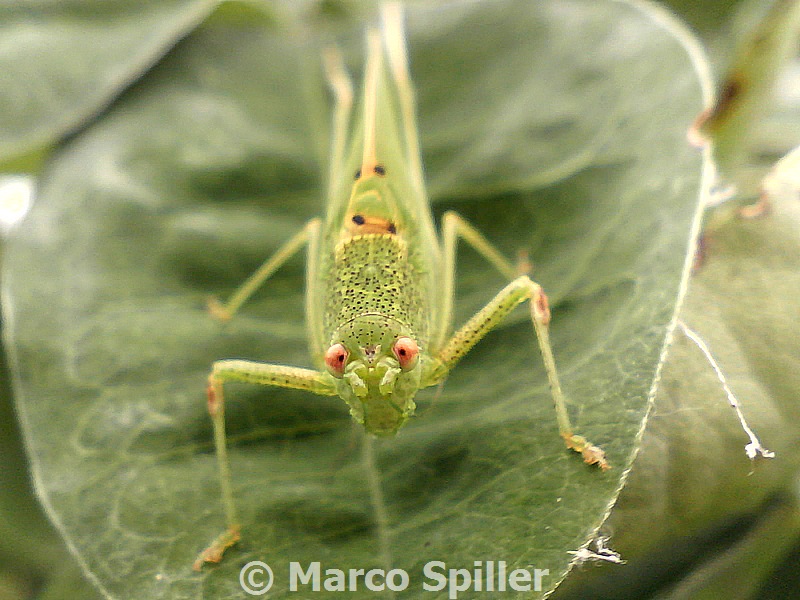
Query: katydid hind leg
{"type": "Point", "coordinates": [394, 35]}
{"type": "Point", "coordinates": [342, 89]}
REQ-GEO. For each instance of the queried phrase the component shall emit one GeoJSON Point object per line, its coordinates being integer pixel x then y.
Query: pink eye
{"type": "Point", "coordinates": [335, 359]}
{"type": "Point", "coordinates": [407, 352]}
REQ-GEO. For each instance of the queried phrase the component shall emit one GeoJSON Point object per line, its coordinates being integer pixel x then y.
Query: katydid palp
{"type": "Point", "coordinates": [379, 281]}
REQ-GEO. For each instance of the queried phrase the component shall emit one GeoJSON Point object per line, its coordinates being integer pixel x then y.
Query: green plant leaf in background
{"type": "Point", "coordinates": [556, 127]}
{"type": "Point", "coordinates": [749, 85]}
{"type": "Point", "coordinates": [63, 61]}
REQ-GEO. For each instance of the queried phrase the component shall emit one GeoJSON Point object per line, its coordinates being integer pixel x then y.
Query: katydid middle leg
{"type": "Point", "coordinates": [224, 312]}
{"type": "Point", "coordinates": [342, 89]}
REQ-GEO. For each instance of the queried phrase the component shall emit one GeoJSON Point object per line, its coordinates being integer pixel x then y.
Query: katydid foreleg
{"type": "Point", "coordinates": [519, 290]}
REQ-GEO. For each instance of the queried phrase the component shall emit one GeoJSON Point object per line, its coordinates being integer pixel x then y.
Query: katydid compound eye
{"type": "Point", "coordinates": [407, 353]}
{"type": "Point", "coordinates": [335, 359]}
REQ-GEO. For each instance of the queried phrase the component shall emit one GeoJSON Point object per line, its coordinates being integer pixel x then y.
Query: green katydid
{"type": "Point", "coordinates": [379, 282]}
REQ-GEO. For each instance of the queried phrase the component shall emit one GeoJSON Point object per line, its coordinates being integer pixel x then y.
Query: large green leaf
{"type": "Point", "coordinates": [556, 127]}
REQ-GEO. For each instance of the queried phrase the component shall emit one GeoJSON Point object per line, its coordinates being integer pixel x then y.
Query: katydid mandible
{"type": "Point", "coordinates": [379, 282]}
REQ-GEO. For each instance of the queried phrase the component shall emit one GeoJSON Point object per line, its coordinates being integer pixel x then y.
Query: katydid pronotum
{"type": "Point", "coordinates": [379, 282]}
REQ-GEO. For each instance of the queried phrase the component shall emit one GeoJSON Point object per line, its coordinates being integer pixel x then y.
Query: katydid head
{"type": "Point", "coordinates": [378, 369]}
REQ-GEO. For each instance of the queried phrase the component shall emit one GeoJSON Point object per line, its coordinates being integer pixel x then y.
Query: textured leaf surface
{"type": "Point", "coordinates": [717, 524]}
{"type": "Point", "coordinates": [556, 127]}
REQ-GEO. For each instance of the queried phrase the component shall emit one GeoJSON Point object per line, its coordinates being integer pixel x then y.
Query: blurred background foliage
{"type": "Point", "coordinates": [689, 551]}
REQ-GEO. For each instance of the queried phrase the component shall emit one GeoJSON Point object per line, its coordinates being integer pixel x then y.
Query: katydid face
{"type": "Point", "coordinates": [378, 372]}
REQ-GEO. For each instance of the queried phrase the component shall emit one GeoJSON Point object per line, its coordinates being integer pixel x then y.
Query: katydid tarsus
{"type": "Point", "coordinates": [379, 281]}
